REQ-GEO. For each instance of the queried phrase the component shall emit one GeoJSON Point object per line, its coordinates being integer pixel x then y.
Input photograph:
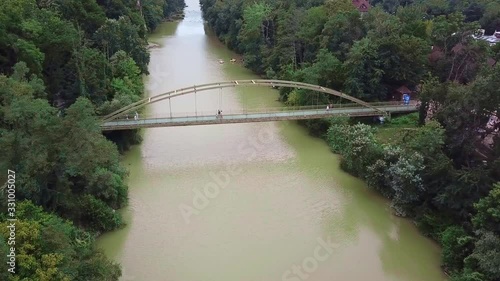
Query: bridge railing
{"type": "Point", "coordinates": [268, 110]}
{"type": "Point", "coordinates": [189, 119]}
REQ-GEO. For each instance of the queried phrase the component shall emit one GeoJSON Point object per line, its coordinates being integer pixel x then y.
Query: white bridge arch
{"type": "Point", "coordinates": [228, 84]}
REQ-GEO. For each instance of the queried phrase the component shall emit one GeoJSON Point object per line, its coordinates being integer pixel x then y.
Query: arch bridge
{"type": "Point", "coordinates": [119, 119]}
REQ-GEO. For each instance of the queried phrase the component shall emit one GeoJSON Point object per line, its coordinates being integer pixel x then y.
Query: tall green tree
{"type": "Point", "coordinates": [255, 32]}
{"type": "Point", "coordinates": [309, 33]}
{"type": "Point", "coordinates": [121, 34]}
{"type": "Point", "coordinates": [341, 31]}
{"type": "Point", "coordinates": [364, 71]}
{"type": "Point", "coordinates": [488, 211]}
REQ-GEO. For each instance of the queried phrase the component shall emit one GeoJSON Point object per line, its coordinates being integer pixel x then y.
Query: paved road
{"type": "Point", "coordinates": [250, 117]}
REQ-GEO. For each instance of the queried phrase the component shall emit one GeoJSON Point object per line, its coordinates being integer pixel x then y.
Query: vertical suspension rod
{"type": "Point", "coordinates": [170, 103]}
{"type": "Point", "coordinates": [195, 103]}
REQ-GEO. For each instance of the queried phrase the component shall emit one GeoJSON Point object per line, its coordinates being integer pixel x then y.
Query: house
{"type": "Point", "coordinates": [493, 122]}
{"type": "Point", "coordinates": [491, 39]}
{"type": "Point", "coordinates": [398, 94]}
{"type": "Point", "coordinates": [362, 5]}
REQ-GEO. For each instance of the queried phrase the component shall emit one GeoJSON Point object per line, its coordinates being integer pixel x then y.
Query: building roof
{"type": "Point", "coordinates": [362, 5]}
{"type": "Point", "coordinates": [492, 39]}
{"type": "Point", "coordinates": [491, 62]}
{"type": "Point", "coordinates": [458, 48]}
{"type": "Point", "coordinates": [403, 89]}
{"type": "Point", "coordinates": [436, 54]}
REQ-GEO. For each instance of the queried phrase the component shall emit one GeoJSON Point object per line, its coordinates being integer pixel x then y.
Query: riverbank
{"type": "Point", "coordinates": [175, 17]}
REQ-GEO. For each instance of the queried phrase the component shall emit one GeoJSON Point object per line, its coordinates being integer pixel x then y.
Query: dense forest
{"type": "Point", "coordinates": [444, 170]}
{"type": "Point", "coordinates": [63, 63]}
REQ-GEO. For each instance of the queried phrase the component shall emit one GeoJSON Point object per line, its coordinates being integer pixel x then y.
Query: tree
{"type": "Point", "coordinates": [356, 145]}
{"type": "Point", "coordinates": [326, 71]}
{"type": "Point", "coordinates": [490, 20]}
{"type": "Point", "coordinates": [487, 254]}
{"type": "Point", "coordinates": [488, 211]}
{"type": "Point", "coordinates": [93, 74]}
{"type": "Point", "coordinates": [404, 59]}
{"type": "Point", "coordinates": [41, 39]}
{"type": "Point", "coordinates": [404, 177]}
{"type": "Point", "coordinates": [429, 141]}
{"type": "Point", "coordinates": [284, 46]}
{"type": "Point", "coordinates": [126, 84]}
{"type": "Point", "coordinates": [463, 112]}
{"type": "Point", "coordinates": [457, 245]}
{"type": "Point", "coordinates": [309, 33]}
{"type": "Point", "coordinates": [121, 34]}
{"type": "Point", "coordinates": [380, 24]}
{"type": "Point", "coordinates": [254, 33]}
{"type": "Point", "coordinates": [85, 14]}
{"type": "Point", "coordinates": [412, 19]}
{"type": "Point", "coordinates": [473, 12]}
{"type": "Point", "coordinates": [12, 42]}
{"type": "Point", "coordinates": [58, 159]}
{"type": "Point", "coordinates": [340, 32]}
{"type": "Point", "coordinates": [154, 12]}
{"type": "Point", "coordinates": [49, 248]}
{"type": "Point", "coordinates": [461, 56]}
{"type": "Point", "coordinates": [334, 7]}
{"type": "Point", "coordinates": [364, 71]}
{"type": "Point", "coordinates": [468, 276]}
{"type": "Point", "coordinates": [377, 176]}
{"type": "Point", "coordinates": [436, 7]}
{"type": "Point", "coordinates": [97, 169]}
{"type": "Point", "coordinates": [173, 6]}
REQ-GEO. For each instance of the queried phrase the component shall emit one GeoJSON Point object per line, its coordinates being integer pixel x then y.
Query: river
{"type": "Point", "coordinates": [248, 202]}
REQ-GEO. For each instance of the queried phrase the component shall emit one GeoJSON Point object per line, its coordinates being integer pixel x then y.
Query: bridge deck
{"type": "Point", "coordinates": [252, 117]}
